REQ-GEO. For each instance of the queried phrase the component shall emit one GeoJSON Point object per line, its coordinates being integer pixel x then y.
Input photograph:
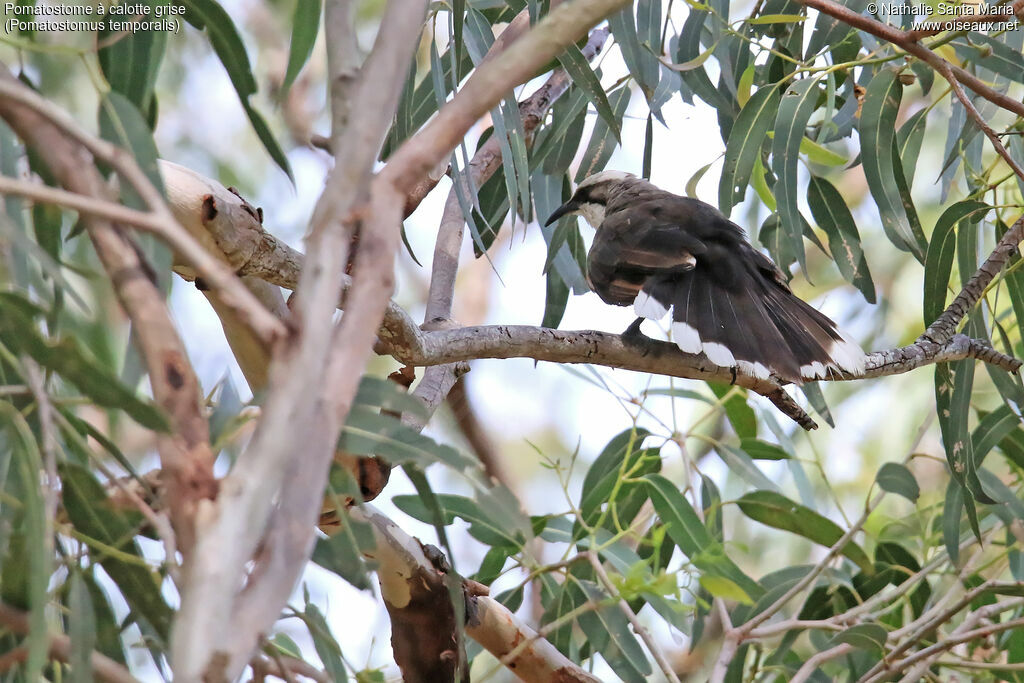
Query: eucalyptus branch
{"type": "Point", "coordinates": [412, 587]}
{"type": "Point", "coordinates": [68, 152]}
{"type": "Point", "coordinates": [972, 111]}
{"type": "Point", "coordinates": [159, 220]}
{"type": "Point", "coordinates": [945, 325]}
{"type": "Point", "coordinates": [948, 643]}
{"type": "Point", "coordinates": [265, 512]}
{"type": "Point", "coordinates": [908, 43]}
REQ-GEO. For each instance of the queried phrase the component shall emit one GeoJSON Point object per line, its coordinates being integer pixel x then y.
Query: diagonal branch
{"type": "Point", "coordinates": [945, 325]}
{"type": "Point", "coordinates": [159, 220]}
{"type": "Point", "coordinates": [266, 512]}
{"type": "Point", "coordinates": [905, 41]}
{"type": "Point", "coordinates": [405, 571]}
{"type": "Point", "coordinates": [185, 451]}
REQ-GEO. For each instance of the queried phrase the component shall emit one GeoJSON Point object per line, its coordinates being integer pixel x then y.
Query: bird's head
{"type": "Point", "coordinates": [592, 196]}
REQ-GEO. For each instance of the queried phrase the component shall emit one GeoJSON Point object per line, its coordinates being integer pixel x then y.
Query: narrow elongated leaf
{"type": "Point", "coordinates": [305, 27]}
{"type": "Point", "coordinates": [67, 358]}
{"type": "Point", "coordinates": [991, 430]}
{"type": "Point", "coordinates": [25, 572]}
{"type": "Point", "coordinates": [829, 31]}
{"type": "Point", "coordinates": [367, 432]}
{"type": "Point", "coordinates": [131, 62]}
{"type": "Point", "coordinates": [583, 77]}
{"type": "Point", "coordinates": [224, 38]}
{"type": "Point", "coordinates": [909, 139]}
{"type": "Point", "coordinates": [775, 510]}
{"type": "Point", "coordinates": [693, 538]}
{"type": "Point", "coordinates": [689, 48]}
{"type": "Point", "coordinates": [907, 201]}
{"type": "Point", "coordinates": [1016, 150]}
{"type": "Point", "coordinates": [994, 55]}
{"type": "Point", "coordinates": [740, 463]}
{"type": "Point", "coordinates": [327, 648]}
{"type": "Point", "coordinates": [641, 62]}
{"type": "Point", "coordinates": [608, 632]}
{"type": "Point", "coordinates": [82, 629]}
{"type": "Point", "coordinates": [832, 215]}
{"type": "Point", "coordinates": [795, 109]}
{"type": "Point", "coordinates": [739, 412]}
{"type": "Point", "coordinates": [938, 264]}
{"type": "Point", "coordinates": [563, 238]}
{"type": "Point", "coordinates": [819, 154]}
{"type": "Point", "coordinates": [618, 450]}
{"type": "Point", "coordinates": [952, 509]}
{"type": "Point", "coordinates": [486, 525]}
{"type": "Point", "coordinates": [602, 139]}
{"type": "Point", "coordinates": [1008, 506]}
{"type": "Point", "coordinates": [122, 124]}
{"type": "Point", "coordinates": [555, 147]}
{"type": "Point", "coordinates": [762, 450]}
{"type": "Point", "coordinates": [776, 19]}
{"type": "Point", "coordinates": [878, 132]}
{"type": "Point", "coordinates": [745, 142]}
{"type": "Point", "coordinates": [896, 478]}
{"type": "Point", "coordinates": [421, 102]}
{"type": "Point", "coordinates": [556, 297]}
{"type": "Point", "coordinates": [108, 632]}
{"type": "Point", "coordinates": [342, 552]}
{"type": "Point", "coordinates": [953, 386]}
{"type": "Point", "coordinates": [816, 397]}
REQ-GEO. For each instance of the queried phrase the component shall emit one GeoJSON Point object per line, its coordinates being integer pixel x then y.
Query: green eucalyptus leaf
{"type": "Point", "coordinates": [896, 478]}
{"type": "Point", "coordinates": [775, 510]}
{"type": "Point", "coordinates": [305, 27]}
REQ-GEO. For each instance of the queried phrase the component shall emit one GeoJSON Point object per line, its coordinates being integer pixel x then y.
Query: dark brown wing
{"type": "Point", "coordinates": [728, 300]}
{"type": "Point", "coordinates": [634, 244]}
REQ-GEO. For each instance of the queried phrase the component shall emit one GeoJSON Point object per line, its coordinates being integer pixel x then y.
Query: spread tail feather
{"type": "Point", "coordinates": [754, 325]}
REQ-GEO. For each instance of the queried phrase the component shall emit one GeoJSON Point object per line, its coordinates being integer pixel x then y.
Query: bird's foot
{"type": "Point", "coordinates": [632, 336]}
{"type": "Point", "coordinates": [633, 331]}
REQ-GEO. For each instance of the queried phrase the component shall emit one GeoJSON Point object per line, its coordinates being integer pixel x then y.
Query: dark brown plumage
{"type": "Point", "coordinates": [658, 252]}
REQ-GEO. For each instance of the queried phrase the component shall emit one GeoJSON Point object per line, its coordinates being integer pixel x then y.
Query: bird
{"type": "Point", "coordinates": [660, 252]}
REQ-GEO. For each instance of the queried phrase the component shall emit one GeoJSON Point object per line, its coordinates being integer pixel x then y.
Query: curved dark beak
{"type": "Point", "coordinates": [568, 207]}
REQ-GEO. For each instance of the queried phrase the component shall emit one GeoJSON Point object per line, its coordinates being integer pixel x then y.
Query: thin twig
{"type": "Point", "coordinates": [972, 111]}
{"type": "Point", "coordinates": [652, 645]}
{"type": "Point", "coordinates": [811, 665]}
{"type": "Point", "coordinates": [901, 38]}
{"type": "Point", "coordinates": [949, 643]}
